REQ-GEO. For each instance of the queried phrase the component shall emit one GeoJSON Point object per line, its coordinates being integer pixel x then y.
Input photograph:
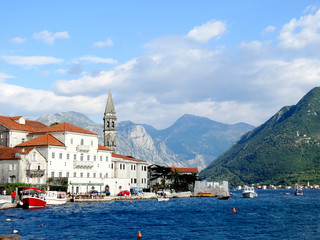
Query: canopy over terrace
{"type": "Point", "coordinates": [100, 185]}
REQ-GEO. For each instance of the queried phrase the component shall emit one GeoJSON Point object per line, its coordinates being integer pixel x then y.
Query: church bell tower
{"type": "Point", "coordinates": [110, 123]}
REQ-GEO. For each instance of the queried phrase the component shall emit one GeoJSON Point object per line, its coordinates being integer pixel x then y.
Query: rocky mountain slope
{"type": "Point", "coordinates": [191, 141]}
{"type": "Point", "coordinates": [284, 150]}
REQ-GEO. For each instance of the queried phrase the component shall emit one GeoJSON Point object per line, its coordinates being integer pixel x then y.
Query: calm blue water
{"type": "Point", "coordinates": [272, 215]}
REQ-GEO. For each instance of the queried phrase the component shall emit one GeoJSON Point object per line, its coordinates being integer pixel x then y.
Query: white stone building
{"type": "Point", "coordinates": [68, 154]}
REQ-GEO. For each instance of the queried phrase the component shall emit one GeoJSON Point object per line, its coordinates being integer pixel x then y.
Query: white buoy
{"type": "Point", "coordinates": [15, 231]}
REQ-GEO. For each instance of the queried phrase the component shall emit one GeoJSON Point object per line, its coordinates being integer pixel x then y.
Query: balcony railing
{"type": "Point", "coordinates": [82, 164]}
{"type": "Point", "coordinates": [35, 173]}
{"type": "Point", "coordinates": [83, 148]}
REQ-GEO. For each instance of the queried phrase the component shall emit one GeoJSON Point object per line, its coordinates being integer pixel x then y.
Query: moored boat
{"type": "Point", "coordinates": [33, 198]}
{"type": "Point", "coordinates": [298, 191]}
{"type": "Point", "coordinates": [227, 197]}
{"type": "Point", "coordinates": [249, 192]}
{"type": "Point", "coordinates": [162, 199]}
{"type": "Point", "coordinates": [204, 194]}
{"type": "Point", "coordinates": [56, 197]}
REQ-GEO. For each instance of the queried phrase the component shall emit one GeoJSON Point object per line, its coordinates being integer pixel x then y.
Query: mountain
{"type": "Point", "coordinates": [284, 150]}
{"type": "Point", "coordinates": [190, 142]}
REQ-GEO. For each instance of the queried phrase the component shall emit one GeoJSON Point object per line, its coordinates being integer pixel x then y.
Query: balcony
{"type": "Point", "coordinates": [83, 164]}
{"type": "Point", "coordinates": [83, 148]}
{"type": "Point", "coordinates": [35, 173]}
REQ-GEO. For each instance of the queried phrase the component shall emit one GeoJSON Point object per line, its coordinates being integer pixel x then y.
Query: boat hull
{"type": "Point", "coordinates": [163, 199]}
{"type": "Point", "coordinates": [32, 202]}
{"type": "Point", "coordinates": [249, 194]}
{"type": "Point", "coordinates": [56, 201]}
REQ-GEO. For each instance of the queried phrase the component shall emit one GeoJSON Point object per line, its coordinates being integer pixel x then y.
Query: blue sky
{"type": "Point", "coordinates": [230, 61]}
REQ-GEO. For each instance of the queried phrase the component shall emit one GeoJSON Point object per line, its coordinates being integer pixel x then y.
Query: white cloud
{"type": "Point", "coordinates": [18, 40]}
{"type": "Point", "coordinates": [49, 37]}
{"type": "Point", "coordinates": [268, 30]}
{"type": "Point", "coordinates": [107, 43]}
{"type": "Point", "coordinates": [4, 76]}
{"type": "Point", "coordinates": [255, 49]}
{"type": "Point", "coordinates": [299, 33]}
{"type": "Point", "coordinates": [37, 102]}
{"type": "Point", "coordinates": [30, 60]}
{"type": "Point", "coordinates": [97, 60]}
{"type": "Point", "coordinates": [212, 29]}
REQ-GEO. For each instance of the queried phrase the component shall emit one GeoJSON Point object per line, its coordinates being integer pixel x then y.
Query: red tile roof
{"type": "Point", "coordinates": [43, 140]}
{"type": "Point", "coordinates": [103, 148]}
{"type": "Point", "coordinates": [29, 126]}
{"type": "Point", "coordinates": [65, 127]}
{"type": "Point", "coordinates": [126, 157]}
{"type": "Point", "coordinates": [8, 153]}
{"type": "Point", "coordinates": [184, 170]}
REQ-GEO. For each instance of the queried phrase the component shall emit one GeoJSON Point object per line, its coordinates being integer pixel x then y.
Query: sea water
{"type": "Point", "coordinates": [272, 215]}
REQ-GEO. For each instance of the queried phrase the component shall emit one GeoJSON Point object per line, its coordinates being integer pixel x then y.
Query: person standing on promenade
{"type": "Point", "coordinates": [13, 195]}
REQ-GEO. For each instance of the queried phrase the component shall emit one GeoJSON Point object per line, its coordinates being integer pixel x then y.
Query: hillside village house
{"type": "Point", "coordinates": [31, 152]}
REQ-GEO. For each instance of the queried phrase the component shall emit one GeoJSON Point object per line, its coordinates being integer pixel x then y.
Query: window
{"type": "Point", "coordinates": [81, 157]}
{"type": "Point", "coordinates": [68, 156]}
{"type": "Point", "coordinates": [106, 176]}
{"type": "Point", "coordinates": [38, 180]}
{"type": "Point", "coordinates": [60, 155]}
{"type": "Point", "coordinates": [107, 158]}
{"type": "Point", "coordinates": [88, 175]}
{"type": "Point", "coordinates": [100, 175]}
{"type": "Point", "coordinates": [135, 180]}
{"type": "Point", "coordinates": [91, 143]}
{"type": "Point", "coordinates": [34, 156]}
{"type": "Point", "coordinates": [145, 168]}
{"type": "Point", "coordinates": [75, 157]}
{"type": "Point", "coordinates": [100, 158]}
{"type": "Point", "coordinates": [60, 174]}
{"type": "Point", "coordinates": [65, 164]}
{"type": "Point", "coordinates": [81, 142]}
{"type": "Point", "coordinates": [88, 157]}
{"type": "Point", "coordinates": [67, 175]}
{"type": "Point", "coordinates": [39, 167]}
{"type": "Point", "coordinates": [98, 165]}
{"type": "Point", "coordinates": [74, 174]}
{"type": "Point", "coordinates": [94, 158]}
{"type": "Point", "coordinates": [141, 168]}
{"type": "Point", "coordinates": [112, 124]}
{"type": "Point", "coordinates": [111, 165]}
{"type": "Point", "coordinates": [27, 180]}
{"type": "Point", "coordinates": [52, 174]}
{"type": "Point", "coordinates": [120, 166]}
{"type": "Point", "coordinates": [81, 174]}
{"type": "Point", "coordinates": [131, 180]}
{"type": "Point", "coordinates": [124, 166]}
{"type": "Point", "coordinates": [94, 175]}
{"type": "Point", "coordinates": [50, 163]}
{"type": "Point", "coordinates": [71, 140]}
{"type": "Point", "coordinates": [53, 155]}
{"type": "Point", "coordinates": [12, 167]}
{"type": "Point", "coordinates": [108, 124]}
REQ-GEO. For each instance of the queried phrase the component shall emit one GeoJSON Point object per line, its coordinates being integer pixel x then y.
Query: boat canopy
{"type": "Point", "coordinates": [34, 189]}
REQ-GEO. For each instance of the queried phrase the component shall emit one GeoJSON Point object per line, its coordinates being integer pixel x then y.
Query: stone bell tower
{"type": "Point", "coordinates": [110, 123]}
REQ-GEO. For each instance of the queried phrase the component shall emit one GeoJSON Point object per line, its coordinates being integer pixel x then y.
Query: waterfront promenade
{"type": "Point", "coordinates": [98, 198]}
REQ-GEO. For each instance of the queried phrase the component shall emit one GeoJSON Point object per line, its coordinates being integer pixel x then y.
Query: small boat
{"type": "Point", "coordinates": [56, 197]}
{"type": "Point", "coordinates": [286, 193]}
{"type": "Point", "coordinates": [33, 198]}
{"type": "Point", "coordinates": [249, 192]}
{"type": "Point", "coordinates": [162, 199]}
{"type": "Point", "coordinates": [298, 191]}
{"type": "Point", "coordinates": [2, 202]}
{"type": "Point", "coordinates": [227, 197]}
{"type": "Point", "coordinates": [202, 194]}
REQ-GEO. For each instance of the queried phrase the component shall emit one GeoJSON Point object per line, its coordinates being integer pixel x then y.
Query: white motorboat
{"type": "Point", "coordinates": [56, 197]}
{"type": "Point", "coordinates": [162, 199]}
{"type": "Point", "coordinates": [249, 192]}
{"type": "Point", "coordinates": [298, 191]}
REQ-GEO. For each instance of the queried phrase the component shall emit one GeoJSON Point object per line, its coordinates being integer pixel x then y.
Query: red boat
{"type": "Point", "coordinates": [33, 198]}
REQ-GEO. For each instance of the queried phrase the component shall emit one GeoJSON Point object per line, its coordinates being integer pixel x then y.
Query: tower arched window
{"type": "Point", "coordinates": [108, 124]}
{"type": "Point", "coordinates": [112, 124]}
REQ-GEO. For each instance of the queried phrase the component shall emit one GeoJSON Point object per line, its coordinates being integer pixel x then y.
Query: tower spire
{"type": "Point", "coordinates": [110, 123]}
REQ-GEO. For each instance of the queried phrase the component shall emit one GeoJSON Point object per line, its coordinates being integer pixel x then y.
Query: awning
{"type": "Point", "coordinates": [86, 184]}
{"type": "Point", "coordinates": [139, 188]}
